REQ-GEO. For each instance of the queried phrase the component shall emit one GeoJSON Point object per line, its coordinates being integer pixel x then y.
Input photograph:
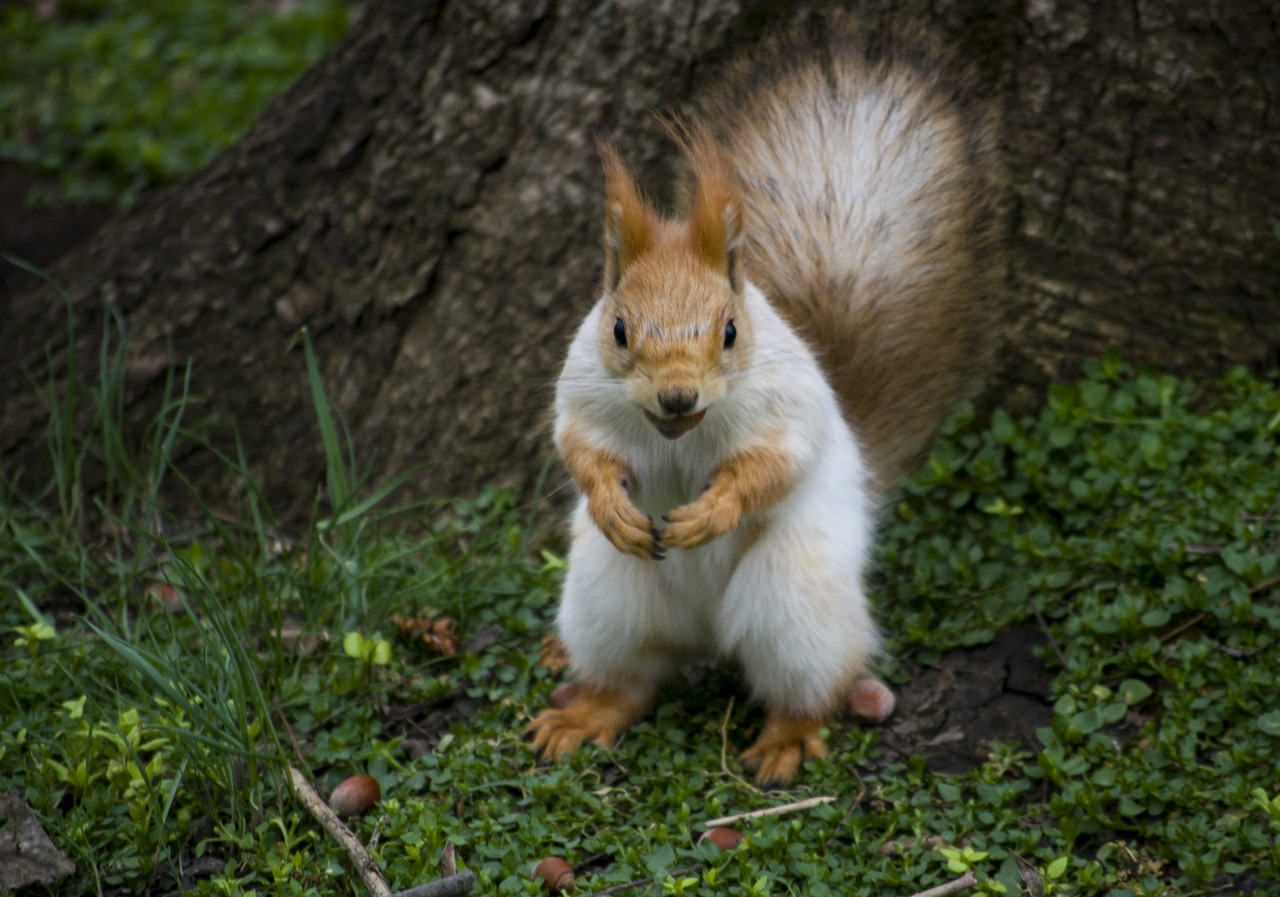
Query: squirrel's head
{"type": "Point", "coordinates": [674, 328]}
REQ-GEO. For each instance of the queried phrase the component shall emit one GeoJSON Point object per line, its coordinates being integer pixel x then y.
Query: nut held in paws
{"type": "Point", "coordinates": [556, 875]}
{"type": "Point", "coordinates": [355, 796]}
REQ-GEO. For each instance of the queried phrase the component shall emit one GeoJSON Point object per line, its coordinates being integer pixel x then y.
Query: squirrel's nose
{"type": "Point", "coordinates": [677, 399]}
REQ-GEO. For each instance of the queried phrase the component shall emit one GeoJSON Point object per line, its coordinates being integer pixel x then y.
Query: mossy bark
{"type": "Point", "coordinates": [425, 201]}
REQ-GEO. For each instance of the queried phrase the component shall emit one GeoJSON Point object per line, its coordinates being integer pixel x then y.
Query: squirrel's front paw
{"type": "Point", "coordinates": [630, 530]}
{"type": "Point", "coordinates": [786, 742]}
{"type": "Point", "coordinates": [698, 522]}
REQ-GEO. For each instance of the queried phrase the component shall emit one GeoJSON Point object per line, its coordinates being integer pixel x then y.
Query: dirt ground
{"type": "Point", "coordinates": [952, 712]}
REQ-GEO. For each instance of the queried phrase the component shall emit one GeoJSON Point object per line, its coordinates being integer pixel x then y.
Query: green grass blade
{"type": "Point", "coordinates": [339, 485]}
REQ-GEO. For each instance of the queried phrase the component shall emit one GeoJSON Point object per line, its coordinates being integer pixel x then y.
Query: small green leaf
{"type": "Point", "coordinates": [1087, 721]}
{"type": "Point", "coordinates": [1113, 713]}
{"type": "Point", "coordinates": [1093, 394]}
{"type": "Point", "coordinates": [353, 645]}
{"type": "Point", "coordinates": [1154, 618]}
{"type": "Point", "coordinates": [1130, 807]}
{"type": "Point", "coordinates": [1134, 690]}
{"type": "Point", "coordinates": [662, 859]}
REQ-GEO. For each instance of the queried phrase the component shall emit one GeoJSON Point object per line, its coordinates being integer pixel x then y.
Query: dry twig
{"type": "Point", "coordinates": [724, 750]}
{"type": "Point", "coordinates": [365, 864]}
{"type": "Point", "coordinates": [1263, 585]}
{"type": "Point", "coordinates": [452, 886]}
{"type": "Point", "coordinates": [628, 885]}
{"type": "Point", "coordinates": [952, 887]}
{"type": "Point", "coordinates": [770, 811]}
{"type": "Point", "coordinates": [288, 729]}
{"type": "Point", "coordinates": [1182, 627]}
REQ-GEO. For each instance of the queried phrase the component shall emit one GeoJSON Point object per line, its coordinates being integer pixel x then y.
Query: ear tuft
{"type": "Point", "coordinates": [629, 221]}
{"type": "Point", "coordinates": [716, 216]}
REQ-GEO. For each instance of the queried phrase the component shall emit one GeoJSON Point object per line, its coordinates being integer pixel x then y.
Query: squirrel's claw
{"type": "Point", "coordinates": [786, 742]}
{"type": "Point", "coordinates": [595, 715]}
{"type": "Point", "coordinates": [630, 530]}
{"type": "Point", "coordinates": [659, 547]}
{"type": "Point", "coordinates": [698, 522]}
{"type": "Point", "coordinates": [555, 734]}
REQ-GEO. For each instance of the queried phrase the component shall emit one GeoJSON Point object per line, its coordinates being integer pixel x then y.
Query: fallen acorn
{"type": "Point", "coordinates": [355, 796]}
{"type": "Point", "coordinates": [556, 875]}
{"type": "Point", "coordinates": [162, 596]}
{"type": "Point", "coordinates": [724, 838]}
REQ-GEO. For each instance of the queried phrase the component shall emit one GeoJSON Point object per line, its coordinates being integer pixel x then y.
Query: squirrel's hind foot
{"type": "Point", "coordinates": [786, 742]}
{"type": "Point", "coordinates": [595, 715]}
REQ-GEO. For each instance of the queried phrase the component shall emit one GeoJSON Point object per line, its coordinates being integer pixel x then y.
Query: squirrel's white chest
{"type": "Point", "coordinates": [664, 484]}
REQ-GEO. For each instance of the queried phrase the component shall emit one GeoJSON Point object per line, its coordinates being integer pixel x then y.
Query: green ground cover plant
{"type": "Point", "coordinates": [115, 96]}
{"type": "Point", "coordinates": [159, 673]}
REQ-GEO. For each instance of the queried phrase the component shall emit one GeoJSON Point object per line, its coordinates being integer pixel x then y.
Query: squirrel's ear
{"type": "Point", "coordinates": [715, 219]}
{"type": "Point", "coordinates": [716, 233]}
{"type": "Point", "coordinates": [629, 222]}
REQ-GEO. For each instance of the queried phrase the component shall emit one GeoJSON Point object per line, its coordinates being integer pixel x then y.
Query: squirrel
{"type": "Point", "coordinates": [760, 371]}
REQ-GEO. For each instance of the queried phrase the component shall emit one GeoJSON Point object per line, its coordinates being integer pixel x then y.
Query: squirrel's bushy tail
{"type": "Point", "coordinates": [868, 168]}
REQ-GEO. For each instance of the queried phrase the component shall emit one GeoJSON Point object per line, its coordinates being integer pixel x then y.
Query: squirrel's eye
{"type": "Point", "coordinates": [620, 333]}
{"type": "Point", "coordinates": [730, 334]}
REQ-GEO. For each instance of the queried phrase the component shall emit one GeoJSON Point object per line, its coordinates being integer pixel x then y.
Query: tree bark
{"type": "Point", "coordinates": [425, 202]}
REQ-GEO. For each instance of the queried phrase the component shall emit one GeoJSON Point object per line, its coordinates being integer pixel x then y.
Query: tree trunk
{"type": "Point", "coordinates": [425, 201]}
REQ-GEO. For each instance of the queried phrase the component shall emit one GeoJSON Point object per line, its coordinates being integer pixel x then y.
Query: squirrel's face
{"type": "Point", "coordinates": [674, 330]}
{"type": "Point", "coordinates": [674, 334]}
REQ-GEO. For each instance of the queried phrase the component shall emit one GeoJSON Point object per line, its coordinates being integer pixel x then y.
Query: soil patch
{"type": "Point", "coordinates": [953, 711]}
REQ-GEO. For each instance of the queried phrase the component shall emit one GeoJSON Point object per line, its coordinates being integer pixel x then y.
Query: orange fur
{"type": "Point", "coordinates": [597, 715]}
{"type": "Point", "coordinates": [674, 306]}
{"type": "Point", "coordinates": [662, 274]}
{"type": "Point", "coordinates": [788, 739]}
{"type": "Point", "coordinates": [785, 743]}
{"type": "Point", "coordinates": [601, 477]}
{"type": "Point", "coordinates": [747, 482]}
{"type": "Point", "coordinates": [630, 222]}
{"type": "Point", "coordinates": [668, 286]}
{"type": "Point", "coordinates": [715, 214]}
